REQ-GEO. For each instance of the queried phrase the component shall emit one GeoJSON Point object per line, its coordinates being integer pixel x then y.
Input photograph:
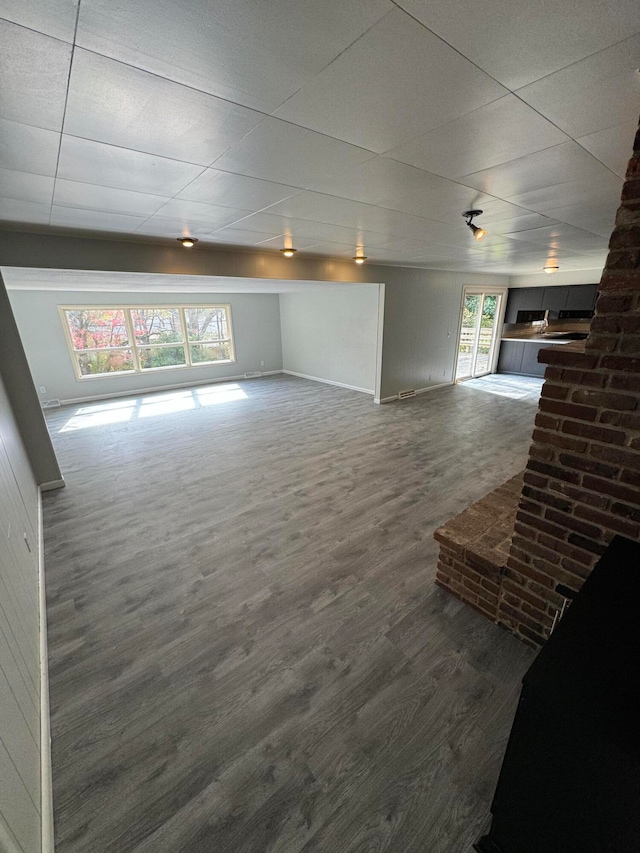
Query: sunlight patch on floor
{"type": "Point", "coordinates": [507, 385]}
{"type": "Point", "coordinates": [121, 411]}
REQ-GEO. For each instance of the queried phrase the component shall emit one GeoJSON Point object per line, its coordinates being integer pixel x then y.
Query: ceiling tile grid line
{"type": "Point", "coordinates": [64, 109]}
{"type": "Point", "coordinates": [520, 42]}
{"type": "Point", "coordinates": [262, 52]}
{"type": "Point", "coordinates": [296, 189]}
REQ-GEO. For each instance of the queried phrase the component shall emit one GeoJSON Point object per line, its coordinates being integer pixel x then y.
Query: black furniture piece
{"type": "Point", "coordinates": [570, 779]}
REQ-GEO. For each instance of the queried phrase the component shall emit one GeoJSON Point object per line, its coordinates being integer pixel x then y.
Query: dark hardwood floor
{"type": "Point", "coordinates": [247, 651]}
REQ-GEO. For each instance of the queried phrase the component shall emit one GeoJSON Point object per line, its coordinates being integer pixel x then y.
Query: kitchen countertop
{"type": "Point", "coordinates": [541, 339]}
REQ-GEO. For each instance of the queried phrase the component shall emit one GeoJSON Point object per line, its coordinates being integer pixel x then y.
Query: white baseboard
{"type": "Point", "coordinates": [418, 391]}
{"type": "Point", "coordinates": [329, 382]}
{"type": "Point", "coordinates": [52, 484]}
{"type": "Point", "coordinates": [434, 387]}
{"type": "Point", "coordinates": [46, 780]}
{"type": "Point", "coordinates": [136, 392]}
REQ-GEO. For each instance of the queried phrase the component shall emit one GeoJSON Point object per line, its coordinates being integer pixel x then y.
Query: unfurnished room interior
{"type": "Point", "coordinates": [319, 426]}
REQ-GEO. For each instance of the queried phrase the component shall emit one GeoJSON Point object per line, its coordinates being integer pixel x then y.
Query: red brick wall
{"type": "Point", "coordinates": [582, 484]}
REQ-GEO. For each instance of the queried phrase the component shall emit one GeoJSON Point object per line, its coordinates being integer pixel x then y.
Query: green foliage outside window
{"type": "Point", "coordinates": [160, 337]}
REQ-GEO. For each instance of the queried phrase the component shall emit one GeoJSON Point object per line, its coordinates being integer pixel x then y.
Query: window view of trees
{"type": "Point", "coordinates": [154, 328]}
{"type": "Point", "coordinates": [103, 336]}
{"type": "Point", "coordinates": [474, 346]}
{"type": "Point", "coordinates": [119, 340]}
{"type": "Point", "coordinates": [210, 328]}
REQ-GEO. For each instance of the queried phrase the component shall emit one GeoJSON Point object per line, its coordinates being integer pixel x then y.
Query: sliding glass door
{"type": "Point", "coordinates": [478, 332]}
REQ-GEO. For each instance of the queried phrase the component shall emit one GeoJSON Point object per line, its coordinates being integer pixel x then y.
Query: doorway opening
{"type": "Point", "coordinates": [481, 319]}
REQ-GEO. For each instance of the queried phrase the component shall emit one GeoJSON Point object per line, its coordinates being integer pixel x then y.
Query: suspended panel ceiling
{"type": "Point", "coordinates": [336, 125]}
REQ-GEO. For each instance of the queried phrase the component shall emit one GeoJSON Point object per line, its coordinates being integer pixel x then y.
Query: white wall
{"type": "Point", "coordinates": [421, 317]}
{"type": "Point", "coordinates": [256, 327]}
{"type": "Point", "coordinates": [330, 333]}
{"type": "Point", "coordinates": [20, 795]}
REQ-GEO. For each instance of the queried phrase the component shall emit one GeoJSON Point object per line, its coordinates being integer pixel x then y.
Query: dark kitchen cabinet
{"type": "Point", "coordinates": [581, 297]}
{"type": "Point", "coordinates": [510, 358]}
{"type": "Point", "coordinates": [570, 779]}
{"type": "Point", "coordinates": [529, 363]}
{"type": "Point", "coordinates": [523, 299]}
{"type": "Point", "coordinates": [554, 299]}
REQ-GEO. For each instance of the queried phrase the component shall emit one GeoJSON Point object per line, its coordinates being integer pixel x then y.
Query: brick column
{"type": "Point", "coordinates": [582, 484]}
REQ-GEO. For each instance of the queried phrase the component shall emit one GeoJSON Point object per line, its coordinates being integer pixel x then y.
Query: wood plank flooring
{"type": "Point", "coordinates": [247, 651]}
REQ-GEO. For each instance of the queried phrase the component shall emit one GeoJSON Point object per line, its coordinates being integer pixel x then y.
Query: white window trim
{"type": "Point", "coordinates": [135, 348]}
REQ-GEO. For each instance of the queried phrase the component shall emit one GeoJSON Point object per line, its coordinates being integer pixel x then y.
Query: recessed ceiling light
{"type": "Point", "coordinates": [550, 268]}
{"type": "Point", "coordinates": [187, 242]}
{"type": "Point", "coordinates": [360, 259]}
{"type": "Point", "coordinates": [478, 233]}
{"type": "Point", "coordinates": [288, 252]}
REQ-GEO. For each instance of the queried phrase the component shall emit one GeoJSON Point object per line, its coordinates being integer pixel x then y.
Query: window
{"type": "Point", "coordinates": [111, 341]}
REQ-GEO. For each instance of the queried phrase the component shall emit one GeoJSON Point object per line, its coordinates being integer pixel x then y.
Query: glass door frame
{"type": "Point", "coordinates": [477, 290]}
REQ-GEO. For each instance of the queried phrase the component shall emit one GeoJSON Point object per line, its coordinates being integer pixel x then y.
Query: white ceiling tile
{"type": "Point", "coordinates": [107, 199]}
{"type": "Point", "coordinates": [320, 232]}
{"type": "Point", "coordinates": [301, 244]}
{"type": "Point", "coordinates": [361, 96]}
{"type": "Point", "coordinates": [612, 146]}
{"type": "Point", "coordinates": [26, 187]}
{"type": "Point", "coordinates": [94, 220]}
{"type": "Point", "coordinates": [556, 165]}
{"type": "Point", "coordinates": [518, 42]}
{"type": "Point", "coordinates": [371, 240]}
{"type": "Point", "coordinates": [229, 190]}
{"type": "Point", "coordinates": [511, 224]}
{"type": "Point", "coordinates": [385, 256]}
{"type": "Point", "coordinates": [114, 103]}
{"type": "Point", "coordinates": [337, 211]}
{"type": "Point", "coordinates": [34, 70]}
{"type": "Point", "coordinates": [211, 215]}
{"type": "Point", "coordinates": [599, 92]}
{"type": "Point", "coordinates": [501, 131]}
{"type": "Point", "coordinates": [255, 54]}
{"type": "Point", "coordinates": [605, 190]}
{"type": "Point", "coordinates": [261, 223]}
{"type": "Point", "coordinates": [388, 183]}
{"type": "Point", "coordinates": [108, 166]}
{"type": "Point", "coordinates": [562, 236]}
{"type": "Point", "coordinates": [301, 229]}
{"type": "Point", "coordinates": [156, 226]}
{"type": "Point", "coordinates": [441, 252]}
{"type": "Point", "coordinates": [233, 236]}
{"type": "Point", "coordinates": [589, 217]}
{"type": "Point", "coordinates": [286, 154]}
{"type": "Point", "coordinates": [28, 149]}
{"type": "Point", "coordinates": [19, 210]}
{"type": "Point", "coordinates": [336, 250]}
{"type": "Point", "coordinates": [56, 18]}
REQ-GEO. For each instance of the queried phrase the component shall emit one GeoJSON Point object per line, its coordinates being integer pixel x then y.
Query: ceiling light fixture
{"type": "Point", "coordinates": [288, 252]}
{"type": "Point", "coordinates": [187, 242]}
{"type": "Point", "coordinates": [550, 268]}
{"type": "Point", "coordinates": [478, 233]}
{"type": "Point", "coordinates": [360, 258]}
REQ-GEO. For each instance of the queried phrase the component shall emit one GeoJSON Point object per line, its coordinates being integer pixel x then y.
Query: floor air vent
{"type": "Point", "coordinates": [251, 374]}
{"type": "Point", "coordinates": [402, 395]}
{"type": "Point", "coordinates": [51, 404]}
